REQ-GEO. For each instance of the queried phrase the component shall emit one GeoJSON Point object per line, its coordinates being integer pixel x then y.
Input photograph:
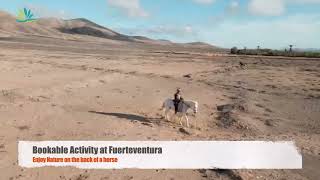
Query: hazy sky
{"type": "Point", "coordinates": [226, 23]}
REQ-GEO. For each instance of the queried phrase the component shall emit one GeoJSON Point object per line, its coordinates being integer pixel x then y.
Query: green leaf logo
{"type": "Point", "coordinates": [25, 15]}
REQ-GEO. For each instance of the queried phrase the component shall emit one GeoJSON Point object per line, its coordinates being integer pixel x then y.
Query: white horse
{"type": "Point", "coordinates": [169, 105]}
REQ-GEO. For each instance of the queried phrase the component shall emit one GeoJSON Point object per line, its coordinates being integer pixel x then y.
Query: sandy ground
{"type": "Point", "coordinates": [66, 90]}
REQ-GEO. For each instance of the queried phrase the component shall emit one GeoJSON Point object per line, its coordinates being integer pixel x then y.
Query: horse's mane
{"type": "Point", "coordinates": [186, 101]}
{"type": "Point", "coordinates": [190, 101]}
{"type": "Point", "coordinates": [195, 102]}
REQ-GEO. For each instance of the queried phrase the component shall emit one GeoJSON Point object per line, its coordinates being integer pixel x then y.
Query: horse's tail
{"type": "Point", "coordinates": [163, 105]}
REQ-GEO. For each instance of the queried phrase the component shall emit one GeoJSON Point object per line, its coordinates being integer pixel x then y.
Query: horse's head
{"type": "Point", "coordinates": [193, 105]}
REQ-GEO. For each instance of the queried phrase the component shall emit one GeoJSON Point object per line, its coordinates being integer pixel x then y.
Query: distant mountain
{"type": "Point", "coordinates": [200, 45]}
{"type": "Point", "coordinates": [75, 29]}
{"type": "Point", "coordinates": [85, 27]}
{"type": "Point", "coordinates": [9, 26]}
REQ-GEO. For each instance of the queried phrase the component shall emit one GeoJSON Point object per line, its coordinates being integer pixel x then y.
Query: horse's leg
{"type": "Point", "coordinates": [180, 119]}
{"type": "Point", "coordinates": [187, 119]}
{"type": "Point", "coordinates": [163, 113]}
{"type": "Point", "coordinates": [166, 114]}
{"type": "Point", "coordinates": [174, 117]}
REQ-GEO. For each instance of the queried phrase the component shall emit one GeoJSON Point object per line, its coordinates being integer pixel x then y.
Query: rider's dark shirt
{"type": "Point", "coordinates": [177, 96]}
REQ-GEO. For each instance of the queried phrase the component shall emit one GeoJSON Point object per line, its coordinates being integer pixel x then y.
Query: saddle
{"type": "Point", "coordinates": [180, 106]}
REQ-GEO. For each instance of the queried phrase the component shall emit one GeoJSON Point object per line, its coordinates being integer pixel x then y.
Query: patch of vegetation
{"type": "Point", "coordinates": [272, 52]}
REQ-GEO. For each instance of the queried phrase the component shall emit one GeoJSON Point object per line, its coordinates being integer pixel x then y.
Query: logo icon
{"type": "Point", "coordinates": [25, 15]}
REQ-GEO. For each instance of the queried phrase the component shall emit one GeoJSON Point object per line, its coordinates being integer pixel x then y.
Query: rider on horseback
{"type": "Point", "coordinates": [177, 99]}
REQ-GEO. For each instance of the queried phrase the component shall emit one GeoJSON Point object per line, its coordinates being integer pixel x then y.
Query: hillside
{"type": "Point", "coordinates": [75, 29]}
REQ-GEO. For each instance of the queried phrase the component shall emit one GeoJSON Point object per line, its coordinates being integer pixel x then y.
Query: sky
{"type": "Point", "coordinates": [225, 23]}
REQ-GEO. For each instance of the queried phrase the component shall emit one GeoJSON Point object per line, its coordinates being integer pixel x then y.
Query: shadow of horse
{"type": "Point", "coordinates": [143, 120]}
{"type": "Point", "coordinates": [131, 117]}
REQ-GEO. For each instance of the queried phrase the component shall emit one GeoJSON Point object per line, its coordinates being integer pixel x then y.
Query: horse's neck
{"type": "Point", "coordinates": [189, 103]}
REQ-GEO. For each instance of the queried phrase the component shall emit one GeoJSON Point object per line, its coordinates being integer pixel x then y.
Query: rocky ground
{"type": "Point", "coordinates": [55, 89]}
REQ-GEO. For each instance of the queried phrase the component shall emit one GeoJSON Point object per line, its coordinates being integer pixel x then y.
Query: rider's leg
{"type": "Point", "coordinates": [176, 104]}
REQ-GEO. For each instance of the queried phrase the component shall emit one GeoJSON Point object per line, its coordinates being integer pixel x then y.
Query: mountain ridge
{"type": "Point", "coordinates": [76, 28]}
